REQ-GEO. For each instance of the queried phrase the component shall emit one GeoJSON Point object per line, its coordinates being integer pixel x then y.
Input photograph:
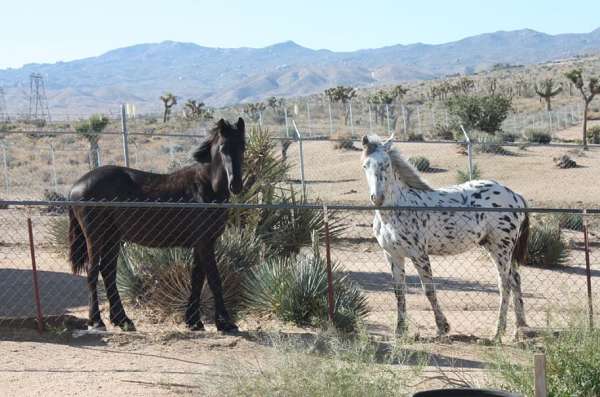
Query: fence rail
{"type": "Point", "coordinates": [555, 290]}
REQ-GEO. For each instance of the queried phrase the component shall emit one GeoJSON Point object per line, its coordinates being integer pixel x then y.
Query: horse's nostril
{"type": "Point", "coordinates": [372, 197]}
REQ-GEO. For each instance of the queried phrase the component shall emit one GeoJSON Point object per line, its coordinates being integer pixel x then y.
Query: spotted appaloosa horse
{"type": "Point", "coordinates": [417, 234]}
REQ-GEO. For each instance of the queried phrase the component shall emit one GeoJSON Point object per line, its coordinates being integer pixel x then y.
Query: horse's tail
{"type": "Point", "coordinates": [77, 245]}
{"type": "Point", "coordinates": [520, 251]}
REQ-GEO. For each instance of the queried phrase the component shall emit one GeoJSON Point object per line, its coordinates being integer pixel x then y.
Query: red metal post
{"type": "Point", "coordinates": [588, 271]}
{"type": "Point", "coordinates": [329, 273]}
{"type": "Point", "coordinates": [36, 289]}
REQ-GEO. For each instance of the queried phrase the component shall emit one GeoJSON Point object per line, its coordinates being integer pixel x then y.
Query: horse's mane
{"type": "Point", "coordinates": [402, 168]}
{"type": "Point", "coordinates": [202, 153]}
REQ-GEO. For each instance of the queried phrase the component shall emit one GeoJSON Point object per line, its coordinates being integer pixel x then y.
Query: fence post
{"type": "Point", "coordinates": [5, 165]}
{"type": "Point", "coordinates": [299, 136]}
{"type": "Point", "coordinates": [330, 302]}
{"type": "Point", "coordinates": [287, 126]}
{"type": "Point", "coordinates": [351, 121]}
{"type": "Point", "coordinates": [404, 119]}
{"type": "Point", "coordinates": [469, 152]}
{"type": "Point", "coordinates": [419, 119]}
{"type": "Point", "coordinates": [54, 179]}
{"type": "Point", "coordinates": [539, 373]}
{"type": "Point", "coordinates": [308, 116]}
{"type": "Point", "coordinates": [36, 289]}
{"type": "Point", "coordinates": [124, 132]}
{"type": "Point", "coordinates": [387, 115]}
{"type": "Point", "coordinates": [370, 120]}
{"type": "Point", "coordinates": [588, 271]}
{"type": "Point", "coordinates": [330, 119]}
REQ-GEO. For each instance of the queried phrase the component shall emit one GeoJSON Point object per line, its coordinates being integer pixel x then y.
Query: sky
{"type": "Point", "coordinates": [62, 30]}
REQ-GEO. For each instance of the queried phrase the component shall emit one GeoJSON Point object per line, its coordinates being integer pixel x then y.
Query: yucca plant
{"type": "Point", "coordinates": [462, 176]}
{"type": "Point", "coordinates": [421, 163]}
{"type": "Point", "coordinates": [160, 279]}
{"type": "Point", "coordinates": [294, 289]}
{"type": "Point", "coordinates": [546, 247]}
{"type": "Point", "coordinates": [569, 221]}
{"type": "Point", "coordinates": [487, 143]}
{"type": "Point", "coordinates": [534, 135]}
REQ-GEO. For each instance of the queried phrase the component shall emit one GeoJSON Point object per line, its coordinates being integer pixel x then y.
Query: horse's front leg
{"type": "Point", "coordinates": [399, 281]}
{"type": "Point", "coordinates": [423, 267]}
{"type": "Point", "coordinates": [108, 268]}
{"type": "Point", "coordinates": [222, 319]}
{"type": "Point", "coordinates": [192, 313]}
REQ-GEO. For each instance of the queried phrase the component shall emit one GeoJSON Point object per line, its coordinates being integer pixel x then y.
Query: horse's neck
{"type": "Point", "coordinates": [218, 181]}
{"type": "Point", "coordinates": [395, 194]}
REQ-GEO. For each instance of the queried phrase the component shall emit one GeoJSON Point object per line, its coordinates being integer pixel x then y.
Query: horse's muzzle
{"type": "Point", "coordinates": [377, 200]}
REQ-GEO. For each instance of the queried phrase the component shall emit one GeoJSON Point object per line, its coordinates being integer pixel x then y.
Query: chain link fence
{"type": "Point", "coordinates": [558, 285]}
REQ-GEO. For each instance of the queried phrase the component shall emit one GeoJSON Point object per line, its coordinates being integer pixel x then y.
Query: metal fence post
{"type": "Point", "coordinates": [330, 119]}
{"type": "Point", "coordinates": [370, 120]}
{"type": "Point", "coordinates": [36, 289]}
{"type": "Point", "coordinates": [330, 301]}
{"type": "Point", "coordinates": [285, 115]}
{"type": "Point", "coordinates": [308, 116]}
{"type": "Point", "coordinates": [124, 132]}
{"type": "Point", "coordinates": [469, 152]}
{"type": "Point", "coordinates": [5, 166]}
{"type": "Point", "coordinates": [351, 121]}
{"type": "Point", "coordinates": [54, 179]}
{"type": "Point", "coordinates": [588, 271]}
{"type": "Point", "coordinates": [299, 136]}
{"type": "Point", "coordinates": [387, 115]}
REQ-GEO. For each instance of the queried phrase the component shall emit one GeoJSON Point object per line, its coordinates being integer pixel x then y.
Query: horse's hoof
{"type": "Point", "coordinates": [226, 326]}
{"type": "Point", "coordinates": [196, 327]}
{"type": "Point", "coordinates": [127, 325]}
{"type": "Point", "coordinates": [444, 329]}
{"type": "Point", "coordinates": [97, 326]}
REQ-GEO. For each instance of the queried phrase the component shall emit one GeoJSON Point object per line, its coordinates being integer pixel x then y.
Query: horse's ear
{"type": "Point", "coordinates": [202, 154]}
{"type": "Point", "coordinates": [221, 125]}
{"type": "Point", "coordinates": [387, 145]}
{"type": "Point", "coordinates": [241, 126]}
{"type": "Point", "coordinates": [365, 141]}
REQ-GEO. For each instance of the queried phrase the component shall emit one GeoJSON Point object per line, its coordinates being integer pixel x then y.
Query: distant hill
{"type": "Point", "coordinates": [222, 76]}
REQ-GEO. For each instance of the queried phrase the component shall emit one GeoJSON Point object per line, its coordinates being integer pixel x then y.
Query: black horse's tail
{"type": "Point", "coordinates": [520, 251]}
{"type": "Point", "coordinates": [77, 245]}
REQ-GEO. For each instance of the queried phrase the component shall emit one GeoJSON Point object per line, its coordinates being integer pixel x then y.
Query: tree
{"type": "Point", "coordinates": [588, 93]}
{"type": "Point", "coordinates": [547, 90]}
{"type": "Point", "coordinates": [344, 95]}
{"type": "Point", "coordinates": [91, 130]}
{"type": "Point", "coordinates": [485, 113]}
{"type": "Point", "coordinates": [277, 104]}
{"type": "Point", "coordinates": [254, 110]}
{"type": "Point", "coordinates": [169, 100]}
{"type": "Point", "coordinates": [195, 110]}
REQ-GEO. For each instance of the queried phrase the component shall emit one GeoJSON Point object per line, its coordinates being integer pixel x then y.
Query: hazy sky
{"type": "Point", "coordinates": [55, 30]}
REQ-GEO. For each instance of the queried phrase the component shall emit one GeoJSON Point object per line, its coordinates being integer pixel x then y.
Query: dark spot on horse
{"type": "Point", "coordinates": [477, 195]}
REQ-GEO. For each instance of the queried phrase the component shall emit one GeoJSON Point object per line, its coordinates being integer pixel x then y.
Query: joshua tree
{"type": "Point", "coordinates": [91, 130]}
{"type": "Point", "coordinates": [588, 93]}
{"type": "Point", "coordinates": [277, 104]}
{"type": "Point", "coordinates": [341, 94]}
{"type": "Point", "coordinates": [169, 100]}
{"type": "Point", "coordinates": [253, 110]}
{"type": "Point", "coordinates": [195, 110]}
{"type": "Point", "coordinates": [547, 90]}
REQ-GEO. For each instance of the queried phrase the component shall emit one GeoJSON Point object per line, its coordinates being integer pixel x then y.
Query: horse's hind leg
{"type": "Point", "coordinates": [503, 264]}
{"type": "Point", "coordinates": [423, 267]}
{"type": "Point", "coordinates": [515, 280]}
{"type": "Point", "coordinates": [108, 269]}
{"type": "Point", "coordinates": [399, 277]}
{"type": "Point", "coordinates": [94, 319]}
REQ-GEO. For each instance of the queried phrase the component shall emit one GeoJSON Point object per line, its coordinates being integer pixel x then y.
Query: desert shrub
{"type": "Point", "coordinates": [572, 365]}
{"type": "Point", "coordinates": [535, 135]}
{"type": "Point", "coordinates": [420, 163]}
{"type": "Point", "coordinates": [485, 113]}
{"type": "Point", "coordinates": [160, 279]}
{"type": "Point", "coordinates": [329, 366]}
{"type": "Point", "coordinates": [462, 176]}
{"type": "Point", "coordinates": [295, 289]}
{"type": "Point", "coordinates": [486, 143]}
{"type": "Point", "coordinates": [569, 221]}
{"type": "Point", "coordinates": [343, 141]}
{"type": "Point", "coordinates": [50, 195]}
{"type": "Point", "coordinates": [546, 247]}
{"type": "Point", "coordinates": [445, 132]}
{"type": "Point", "coordinates": [58, 230]}
{"type": "Point", "coordinates": [415, 137]}
{"type": "Point", "coordinates": [594, 134]}
{"type": "Point", "coordinates": [510, 137]}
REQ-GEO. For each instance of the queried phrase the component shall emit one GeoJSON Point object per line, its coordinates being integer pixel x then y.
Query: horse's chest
{"type": "Point", "coordinates": [393, 239]}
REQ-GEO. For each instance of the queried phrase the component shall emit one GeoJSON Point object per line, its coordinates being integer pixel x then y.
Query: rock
{"type": "Point", "coordinates": [565, 161]}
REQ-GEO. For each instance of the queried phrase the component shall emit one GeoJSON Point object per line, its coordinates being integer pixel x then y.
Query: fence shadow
{"type": "Point", "coordinates": [58, 293]}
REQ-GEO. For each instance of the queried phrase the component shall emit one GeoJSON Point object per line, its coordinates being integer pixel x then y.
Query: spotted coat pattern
{"type": "Point", "coordinates": [418, 234]}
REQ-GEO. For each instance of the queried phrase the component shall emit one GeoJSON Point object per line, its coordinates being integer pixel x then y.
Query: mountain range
{"type": "Point", "coordinates": [222, 76]}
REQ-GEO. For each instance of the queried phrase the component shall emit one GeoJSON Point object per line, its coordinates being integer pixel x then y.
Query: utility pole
{"type": "Point", "coordinates": [38, 102]}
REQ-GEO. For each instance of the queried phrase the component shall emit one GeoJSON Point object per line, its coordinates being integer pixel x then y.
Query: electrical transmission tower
{"type": "Point", "coordinates": [38, 102]}
{"type": "Point", "coordinates": [3, 111]}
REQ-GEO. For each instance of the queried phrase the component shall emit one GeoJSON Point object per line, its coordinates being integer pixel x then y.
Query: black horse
{"type": "Point", "coordinates": [96, 233]}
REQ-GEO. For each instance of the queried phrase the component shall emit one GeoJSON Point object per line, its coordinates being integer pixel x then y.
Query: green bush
{"type": "Point", "coordinates": [463, 176]}
{"type": "Point", "coordinates": [294, 289]}
{"type": "Point", "coordinates": [510, 137]}
{"type": "Point", "coordinates": [414, 137]}
{"type": "Point", "coordinates": [594, 134]}
{"type": "Point", "coordinates": [485, 113]}
{"type": "Point", "coordinates": [420, 163]}
{"type": "Point", "coordinates": [160, 278]}
{"type": "Point", "coordinates": [486, 143]}
{"type": "Point", "coordinates": [58, 230]}
{"type": "Point", "coordinates": [546, 247]}
{"type": "Point", "coordinates": [572, 365]}
{"type": "Point", "coordinates": [570, 221]}
{"type": "Point", "coordinates": [535, 135]}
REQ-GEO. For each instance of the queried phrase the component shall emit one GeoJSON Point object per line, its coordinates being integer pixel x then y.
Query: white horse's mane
{"type": "Point", "coordinates": [402, 168]}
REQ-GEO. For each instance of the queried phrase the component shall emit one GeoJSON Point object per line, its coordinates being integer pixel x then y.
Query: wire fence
{"type": "Point", "coordinates": [465, 285]}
